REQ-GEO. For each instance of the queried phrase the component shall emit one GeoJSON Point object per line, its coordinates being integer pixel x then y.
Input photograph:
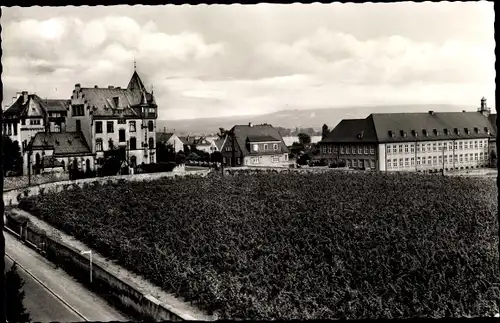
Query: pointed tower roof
{"type": "Point", "coordinates": [135, 83]}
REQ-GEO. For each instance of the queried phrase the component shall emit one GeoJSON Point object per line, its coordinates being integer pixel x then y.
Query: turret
{"type": "Point", "coordinates": [484, 109]}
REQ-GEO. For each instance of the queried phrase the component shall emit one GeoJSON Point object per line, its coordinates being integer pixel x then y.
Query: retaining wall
{"type": "Point", "coordinates": [12, 197]}
{"type": "Point", "coordinates": [14, 182]}
{"type": "Point", "coordinates": [124, 295]}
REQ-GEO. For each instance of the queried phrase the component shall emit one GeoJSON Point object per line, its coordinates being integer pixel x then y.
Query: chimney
{"type": "Point", "coordinates": [116, 100]}
{"type": "Point", "coordinates": [431, 113]}
{"type": "Point", "coordinates": [463, 111]}
{"type": "Point", "coordinates": [25, 96]}
{"type": "Point", "coordinates": [483, 103]}
{"type": "Point", "coordinates": [250, 124]}
{"type": "Point", "coordinates": [96, 87]}
{"type": "Point", "coordinates": [111, 87]}
{"type": "Point", "coordinates": [77, 87]}
{"type": "Point", "coordinates": [485, 111]}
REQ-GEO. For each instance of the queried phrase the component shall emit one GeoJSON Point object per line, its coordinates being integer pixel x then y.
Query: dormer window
{"type": "Point", "coordinates": [391, 134]}
{"type": "Point", "coordinates": [457, 131]}
{"type": "Point", "coordinates": [116, 100]}
{"type": "Point", "coordinates": [487, 130]}
{"type": "Point", "coordinates": [466, 130]}
{"type": "Point", "coordinates": [476, 129]}
{"type": "Point", "coordinates": [445, 130]}
{"type": "Point", "coordinates": [436, 132]}
{"type": "Point", "coordinates": [424, 131]}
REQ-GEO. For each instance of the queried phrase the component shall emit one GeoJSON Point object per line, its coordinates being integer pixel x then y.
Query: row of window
{"type": "Point", "coordinates": [437, 160]}
{"type": "Point", "coordinates": [110, 126]}
{"type": "Point", "coordinates": [266, 147]}
{"type": "Point", "coordinates": [350, 150]}
{"type": "Point", "coordinates": [275, 159]}
{"type": "Point", "coordinates": [132, 144]}
{"type": "Point", "coordinates": [359, 163]}
{"type": "Point", "coordinates": [439, 146]}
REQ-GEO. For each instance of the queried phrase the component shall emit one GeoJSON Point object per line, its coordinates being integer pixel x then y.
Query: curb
{"type": "Point", "coordinates": [47, 288]}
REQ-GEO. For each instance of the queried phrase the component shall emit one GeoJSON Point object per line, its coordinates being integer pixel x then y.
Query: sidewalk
{"type": "Point", "coordinates": [75, 295]}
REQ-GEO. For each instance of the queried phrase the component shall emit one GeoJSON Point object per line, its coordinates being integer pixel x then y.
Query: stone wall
{"type": "Point", "coordinates": [13, 196]}
{"type": "Point", "coordinates": [22, 181]}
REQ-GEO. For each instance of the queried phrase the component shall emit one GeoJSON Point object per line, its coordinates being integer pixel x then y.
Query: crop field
{"type": "Point", "coordinates": [299, 246]}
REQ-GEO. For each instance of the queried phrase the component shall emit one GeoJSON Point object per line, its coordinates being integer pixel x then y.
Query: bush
{"type": "Point", "coordinates": [14, 308]}
{"type": "Point", "coordinates": [158, 167]}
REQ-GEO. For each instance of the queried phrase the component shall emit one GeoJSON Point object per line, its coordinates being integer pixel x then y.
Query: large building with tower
{"type": "Point", "coordinates": [78, 131]}
{"type": "Point", "coordinates": [421, 142]}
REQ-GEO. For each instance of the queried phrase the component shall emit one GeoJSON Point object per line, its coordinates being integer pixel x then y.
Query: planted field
{"type": "Point", "coordinates": [299, 246]}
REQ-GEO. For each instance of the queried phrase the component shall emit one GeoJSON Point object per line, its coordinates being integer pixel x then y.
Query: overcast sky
{"type": "Point", "coordinates": [209, 61]}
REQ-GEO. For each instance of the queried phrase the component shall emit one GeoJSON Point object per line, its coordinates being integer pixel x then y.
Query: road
{"type": "Point", "coordinates": [42, 304]}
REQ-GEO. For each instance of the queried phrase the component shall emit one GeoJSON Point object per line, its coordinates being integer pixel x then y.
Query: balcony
{"type": "Point", "coordinates": [151, 115]}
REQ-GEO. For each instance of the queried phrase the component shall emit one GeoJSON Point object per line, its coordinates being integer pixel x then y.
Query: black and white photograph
{"type": "Point", "coordinates": [249, 162]}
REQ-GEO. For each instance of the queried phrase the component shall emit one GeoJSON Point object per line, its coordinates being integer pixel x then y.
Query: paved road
{"type": "Point", "coordinates": [43, 305]}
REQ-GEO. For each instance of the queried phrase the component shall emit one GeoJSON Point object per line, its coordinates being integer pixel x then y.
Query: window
{"type": "Point", "coordinates": [111, 145]}
{"type": "Point", "coordinates": [121, 135]}
{"type": "Point", "coordinates": [25, 143]}
{"type": "Point", "coordinates": [445, 146]}
{"type": "Point", "coordinates": [412, 148]}
{"type": "Point", "coordinates": [109, 127]}
{"type": "Point", "coordinates": [360, 150]}
{"type": "Point", "coordinates": [480, 144]}
{"type": "Point", "coordinates": [434, 160]}
{"type": "Point", "coordinates": [440, 159]}
{"type": "Point", "coordinates": [394, 163]}
{"type": "Point", "coordinates": [480, 156]}
{"type": "Point", "coordinates": [461, 158]}
{"type": "Point", "coordinates": [400, 148]}
{"type": "Point", "coordinates": [400, 162]}
{"type": "Point", "coordinates": [429, 160]}
{"type": "Point", "coordinates": [255, 147]}
{"type": "Point", "coordinates": [475, 144]}
{"type": "Point", "coordinates": [445, 159]}
{"type": "Point", "coordinates": [132, 126]}
{"type": "Point", "coordinates": [389, 165]}
{"type": "Point", "coordinates": [476, 156]}
{"type": "Point", "coordinates": [418, 148]}
{"type": "Point", "coordinates": [15, 129]}
{"type": "Point", "coordinates": [394, 149]}
{"type": "Point", "coordinates": [98, 127]}
{"type": "Point", "coordinates": [406, 148]}
{"type": "Point", "coordinates": [78, 126]}
{"type": "Point", "coordinates": [342, 150]}
{"type": "Point", "coordinates": [348, 163]}
{"type": "Point", "coordinates": [372, 151]}
{"type": "Point", "coordinates": [275, 146]}
{"type": "Point", "coordinates": [440, 146]}
{"type": "Point", "coordinates": [329, 149]}
{"type": "Point", "coordinates": [418, 160]}
{"type": "Point", "coordinates": [23, 122]}
{"type": "Point", "coordinates": [407, 162]}
{"type": "Point", "coordinates": [122, 121]}
{"type": "Point", "coordinates": [412, 161]}
{"type": "Point", "coordinates": [265, 146]}
{"type": "Point", "coordinates": [466, 158]}
{"type": "Point", "coordinates": [98, 144]}
{"type": "Point", "coordinates": [466, 145]}
{"type": "Point", "coordinates": [460, 145]}
{"type": "Point", "coordinates": [150, 126]}
{"type": "Point", "coordinates": [429, 147]}
{"type": "Point", "coordinates": [57, 127]}
{"type": "Point", "coordinates": [423, 148]}
{"type": "Point", "coordinates": [132, 143]}
{"type": "Point", "coordinates": [286, 157]}
{"type": "Point", "coordinates": [151, 143]}
{"type": "Point", "coordinates": [276, 159]}
{"type": "Point", "coordinates": [324, 150]}
{"type": "Point", "coordinates": [365, 150]}
{"type": "Point", "coordinates": [388, 149]}
{"type": "Point", "coordinates": [254, 160]}
{"type": "Point", "coordinates": [77, 110]}
{"type": "Point", "coordinates": [152, 159]}
{"type": "Point", "coordinates": [372, 164]}
{"type": "Point", "coordinates": [455, 158]}
{"type": "Point", "coordinates": [35, 122]}
{"type": "Point", "coordinates": [434, 148]}
{"type": "Point", "coordinates": [348, 150]}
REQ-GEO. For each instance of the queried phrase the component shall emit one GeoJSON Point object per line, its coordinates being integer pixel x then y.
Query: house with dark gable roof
{"type": "Point", "coordinates": [431, 141]}
{"type": "Point", "coordinates": [116, 118]}
{"type": "Point", "coordinates": [254, 145]}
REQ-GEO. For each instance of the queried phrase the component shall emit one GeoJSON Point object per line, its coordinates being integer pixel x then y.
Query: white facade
{"type": "Point", "coordinates": [277, 160]}
{"type": "Point", "coordinates": [434, 155]}
{"type": "Point", "coordinates": [83, 161]}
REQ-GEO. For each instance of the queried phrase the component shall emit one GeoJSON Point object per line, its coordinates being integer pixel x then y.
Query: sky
{"type": "Point", "coordinates": [218, 60]}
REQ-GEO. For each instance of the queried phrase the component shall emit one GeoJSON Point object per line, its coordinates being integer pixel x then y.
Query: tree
{"type": "Point", "coordinates": [304, 138]}
{"type": "Point", "coordinates": [303, 159]}
{"type": "Point", "coordinates": [14, 308]}
{"type": "Point", "coordinates": [12, 159]}
{"type": "Point", "coordinates": [324, 131]}
{"type": "Point", "coordinates": [216, 157]}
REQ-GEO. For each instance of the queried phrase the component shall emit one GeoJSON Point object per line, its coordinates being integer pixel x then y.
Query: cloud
{"type": "Point", "coordinates": [227, 60]}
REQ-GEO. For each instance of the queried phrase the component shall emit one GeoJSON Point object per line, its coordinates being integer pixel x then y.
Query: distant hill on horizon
{"type": "Point", "coordinates": [291, 119]}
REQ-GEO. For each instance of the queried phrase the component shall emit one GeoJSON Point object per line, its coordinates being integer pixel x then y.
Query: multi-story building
{"type": "Point", "coordinates": [115, 118]}
{"type": "Point", "coordinates": [254, 145]}
{"type": "Point", "coordinates": [413, 141]}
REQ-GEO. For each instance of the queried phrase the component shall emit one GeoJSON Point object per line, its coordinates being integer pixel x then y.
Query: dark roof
{"type": "Point", "coordinates": [435, 125]}
{"type": "Point", "coordinates": [493, 120]}
{"type": "Point", "coordinates": [62, 142]}
{"type": "Point", "coordinates": [352, 130]}
{"type": "Point", "coordinates": [50, 162]}
{"type": "Point", "coordinates": [264, 138]}
{"type": "Point", "coordinates": [243, 132]}
{"type": "Point", "coordinates": [52, 105]}
{"type": "Point", "coordinates": [20, 108]}
{"type": "Point", "coordinates": [400, 127]}
{"type": "Point", "coordinates": [218, 143]}
{"type": "Point", "coordinates": [163, 137]}
{"type": "Point", "coordinates": [135, 83]}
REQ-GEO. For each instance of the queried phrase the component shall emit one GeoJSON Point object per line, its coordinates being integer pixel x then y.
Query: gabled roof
{"type": "Point", "coordinates": [102, 103]}
{"type": "Point", "coordinates": [243, 132]}
{"type": "Point", "coordinates": [52, 105]}
{"type": "Point", "coordinates": [203, 141]}
{"type": "Point", "coordinates": [218, 143]}
{"type": "Point", "coordinates": [163, 137]}
{"type": "Point", "coordinates": [264, 138]}
{"type": "Point", "coordinates": [62, 143]}
{"type": "Point", "coordinates": [352, 130]}
{"type": "Point", "coordinates": [434, 124]}
{"type": "Point", "coordinates": [32, 107]}
{"type": "Point", "coordinates": [135, 83]}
